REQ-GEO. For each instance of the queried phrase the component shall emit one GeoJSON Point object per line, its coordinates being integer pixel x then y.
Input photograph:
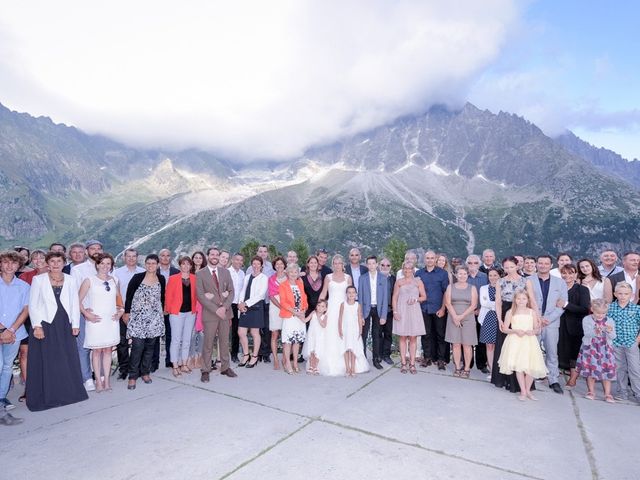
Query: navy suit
{"type": "Point", "coordinates": [373, 313]}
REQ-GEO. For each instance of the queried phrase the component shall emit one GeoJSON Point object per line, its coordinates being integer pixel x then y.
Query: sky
{"type": "Point", "coordinates": [267, 80]}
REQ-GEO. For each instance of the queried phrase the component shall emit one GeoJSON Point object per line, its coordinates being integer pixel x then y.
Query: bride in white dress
{"type": "Point", "coordinates": [335, 285]}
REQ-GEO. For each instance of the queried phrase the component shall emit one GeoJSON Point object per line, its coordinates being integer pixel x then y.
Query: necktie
{"type": "Point", "coordinates": [215, 280]}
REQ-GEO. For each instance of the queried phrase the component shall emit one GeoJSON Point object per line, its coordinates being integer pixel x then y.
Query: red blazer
{"type": "Point", "coordinates": [173, 295]}
{"type": "Point", "coordinates": [287, 300]}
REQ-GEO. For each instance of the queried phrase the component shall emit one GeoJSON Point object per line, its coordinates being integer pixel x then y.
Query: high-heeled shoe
{"type": "Point", "coordinates": [244, 362]}
{"type": "Point", "coordinates": [251, 365]}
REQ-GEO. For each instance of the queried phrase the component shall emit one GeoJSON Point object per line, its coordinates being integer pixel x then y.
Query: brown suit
{"type": "Point", "coordinates": [210, 320]}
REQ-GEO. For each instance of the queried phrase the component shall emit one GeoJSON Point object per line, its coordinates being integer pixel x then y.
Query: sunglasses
{"type": "Point", "coordinates": [385, 265]}
{"type": "Point", "coordinates": [106, 286]}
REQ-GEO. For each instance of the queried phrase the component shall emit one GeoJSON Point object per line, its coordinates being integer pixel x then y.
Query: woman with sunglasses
{"type": "Point", "coordinates": [144, 316]}
{"type": "Point", "coordinates": [101, 305]}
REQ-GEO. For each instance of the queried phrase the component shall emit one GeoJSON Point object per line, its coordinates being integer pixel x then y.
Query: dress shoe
{"type": "Point", "coordinates": [485, 370]}
{"type": "Point", "coordinates": [556, 388]}
{"type": "Point", "coordinates": [376, 363]}
{"type": "Point", "coordinates": [388, 360]}
{"type": "Point", "coordinates": [426, 362]}
{"type": "Point", "coordinates": [234, 358]}
{"type": "Point", "coordinates": [441, 365]}
{"type": "Point", "coordinates": [122, 376]}
{"type": "Point", "coordinates": [204, 377]}
{"type": "Point", "coordinates": [213, 365]}
{"type": "Point", "coordinates": [168, 365]}
{"type": "Point", "coordinates": [300, 359]}
{"type": "Point", "coordinates": [229, 373]}
{"type": "Point", "coordinates": [9, 420]}
{"type": "Point", "coordinates": [266, 358]}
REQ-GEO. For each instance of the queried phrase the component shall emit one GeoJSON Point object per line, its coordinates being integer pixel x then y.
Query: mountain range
{"type": "Point", "coordinates": [454, 180]}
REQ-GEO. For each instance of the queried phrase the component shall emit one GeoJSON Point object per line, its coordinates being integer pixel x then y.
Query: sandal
{"type": "Point", "coordinates": [609, 399]}
{"type": "Point", "coordinates": [403, 368]}
{"type": "Point", "coordinates": [176, 372]}
{"type": "Point", "coordinates": [465, 373]}
{"type": "Point", "coordinates": [590, 396]}
{"type": "Point", "coordinates": [185, 369]}
{"type": "Point", "coordinates": [457, 372]}
{"type": "Point", "coordinates": [412, 369]}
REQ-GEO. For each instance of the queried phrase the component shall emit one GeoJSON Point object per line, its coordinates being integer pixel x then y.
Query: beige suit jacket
{"type": "Point", "coordinates": [205, 284]}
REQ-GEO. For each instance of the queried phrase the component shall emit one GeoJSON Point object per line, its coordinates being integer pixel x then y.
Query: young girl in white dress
{"type": "Point", "coordinates": [350, 325]}
{"type": "Point", "coordinates": [312, 348]}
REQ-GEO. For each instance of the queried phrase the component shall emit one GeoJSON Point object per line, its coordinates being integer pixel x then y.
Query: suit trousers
{"type": "Point", "coordinates": [434, 346]}
{"type": "Point", "coordinates": [480, 351]}
{"type": "Point", "coordinates": [265, 334]}
{"type": "Point", "coordinates": [549, 336]}
{"type": "Point", "coordinates": [215, 325]}
{"type": "Point", "coordinates": [141, 357]}
{"type": "Point", "coordinates": [235, 339]}
{"type": "Point", "coordinates": [627, 370]}
{"type": "Point", "coordinates": [387, 334]}
{"type": "Point", "coordinates": [372, 321]}
{"type": "Point", "coordinates": [167, 345]}
{"type": "Point", "coordinates": [123, 349]}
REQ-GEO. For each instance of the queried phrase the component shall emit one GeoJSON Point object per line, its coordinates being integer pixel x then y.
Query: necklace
{"type": "Point", "coordinates": [56, 281]}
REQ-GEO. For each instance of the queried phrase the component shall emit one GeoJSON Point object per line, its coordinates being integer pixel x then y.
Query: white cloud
{"type": "Point", "coordinates": [247, 78]}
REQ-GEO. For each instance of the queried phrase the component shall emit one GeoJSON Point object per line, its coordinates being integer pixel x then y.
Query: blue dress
{"type": "Point", "coordinates": [489, 328]}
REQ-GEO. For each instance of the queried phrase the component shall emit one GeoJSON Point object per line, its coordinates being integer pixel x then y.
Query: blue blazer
{"type": "Point", "coordinates": [382, 294]}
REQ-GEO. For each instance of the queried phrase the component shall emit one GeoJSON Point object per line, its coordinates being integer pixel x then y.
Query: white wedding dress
{"type": "Point", "coordinates": [332, 359]}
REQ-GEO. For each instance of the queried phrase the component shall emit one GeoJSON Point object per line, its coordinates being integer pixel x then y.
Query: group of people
{"type": "Point", "coordinates": [62, 313]}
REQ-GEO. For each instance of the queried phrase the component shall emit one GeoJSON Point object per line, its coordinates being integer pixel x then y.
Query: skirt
{"type": "Point", "coordinates": [253, 317]}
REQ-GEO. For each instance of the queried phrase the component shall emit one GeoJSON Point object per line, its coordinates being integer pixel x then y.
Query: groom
{"type": "Point", "coordinates": [373, 296]}
{"type": "Point", "coordinates": [214, 288]}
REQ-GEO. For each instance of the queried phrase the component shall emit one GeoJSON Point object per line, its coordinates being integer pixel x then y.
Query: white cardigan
{"type": "Point", "coordinates": [486, 305]}
{"type": "Point", "coordinates": [42, 301]}
{"type": "Point", "coordinates": [258, 289]}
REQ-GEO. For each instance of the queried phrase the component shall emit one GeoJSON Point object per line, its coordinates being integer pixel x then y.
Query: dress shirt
{"type": "Point", "coordinates": [544, 288]}
{"type": "Point", "coordinates": [165, 273]}
{"type": "Point", "coordinates": [607, 273]}
{"type": "Point", "coordinates": [627, 322]}
{"type": "Point", "coordinates": [124, 274]}
{"type": "Point", "coordinates": [13, 298]}
{"type": "Point", "coordinates": [355, 274]}
{"type": "Point", "coordinates": [479, 280]}
{"type": "Point", "coordinates": [374, 288]}
{"type": "Point", "coordinates": [631, 280]}
{"type": "Point", "coordinates": [237, 276]}
{"type": "Point", "coordinates": [83, 271]}
{"type": "Point", "coordinates": [435, 283]}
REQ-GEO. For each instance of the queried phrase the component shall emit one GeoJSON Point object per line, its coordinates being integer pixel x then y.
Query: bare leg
{"type": "Point", "coordinates": [24, 349]}
{"type": "Point", "coordinates": [296, 349]}
{"type": "Point", "coordinates": [286, 354]}
{"type": "Point", "coordinates": [313, 362]}
{"type": "Point", "coordinates": [413, 344]}
{"type": "Point", "coordinates": [573, 378]}
{"type": "Point", "coordinates": [96, 362]}
{"type": "Point", "coordinates": [346, 364]}
{"type": "Point", "coordinates": [457, 353]}
{"type": "Point", "coordinates": [274, 348]}
{"type": "Point", "coordinates": [606, 385]}
{"type": "Point", "coordinates": [352, 359]}
{"type": "Point", "coordinates": [523, 386]}
{"type": "Point", "coordinates": [106, 367]}
{"type": "Point", "coordinates": [490, 349]}
{"type": "Point", "coordinates": [468, 356]}
{"type": "Point", "coordinates": [244, 342]}
{"type": "Point", "coordinates": [528, 381]}
{"type": "Point", "coordinates": [403, 350]}
{"type": "Point", "coordinates": [591, 385]}
{"type": "Point", "coordinates": [255, 333]}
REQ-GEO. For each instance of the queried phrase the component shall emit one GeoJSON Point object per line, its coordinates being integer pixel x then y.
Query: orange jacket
{"type": "Point", "coordinates": [173, 296]}
{"type": "Point", "coordinates": [287, 300]}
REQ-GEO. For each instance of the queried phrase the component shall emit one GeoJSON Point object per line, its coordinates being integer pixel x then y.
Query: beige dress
{"type": "Point", "coordinates": [466, 333]}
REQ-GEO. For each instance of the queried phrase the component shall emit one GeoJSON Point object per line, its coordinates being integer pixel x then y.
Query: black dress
{"type": "Point", "coordinates": [312, 290]}
{"type": "Point", "coordinates": [570, 334]}
{"type": "Point", "coordinates": [53, 366]}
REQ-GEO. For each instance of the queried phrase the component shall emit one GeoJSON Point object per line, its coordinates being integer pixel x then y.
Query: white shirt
{"type": "Point", "coordinates": [631, 280]}
{"type": "Point", "coordinates": [83, 271]}
{"type": "Point", "coordinates": [555, 272]}
{"type": "Point", "coordinates": [374, 288]}
{"type": "Point", "coordinates": [613, 271]}
{"type": "Point", "coordinates": [124, 275]}
{"type": "Point", "coordinates": [400, 275]}
{"type": "Point", "coordinates": [238, 283]}
{"type": "Point", "coordinates": [165, 273]}
{"type": "Point", "coordinates": [355, 274]}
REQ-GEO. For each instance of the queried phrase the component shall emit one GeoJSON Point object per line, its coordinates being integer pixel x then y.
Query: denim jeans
{"type": "Point", "coordinates": [84, 353]}
{"type": "Point", "coordinates": [8, 353]}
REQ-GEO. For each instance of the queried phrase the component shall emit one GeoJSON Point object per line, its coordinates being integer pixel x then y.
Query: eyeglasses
{"type": "Point", "coordinates": [473, 263]}
{"type": "Point", "coordinates": [385, 265]}
{"type": "Point", "coordinates": [106, 286]}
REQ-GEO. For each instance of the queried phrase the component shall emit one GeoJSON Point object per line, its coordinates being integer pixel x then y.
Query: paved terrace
{"type": "Point", "coordinates": [268, 425]}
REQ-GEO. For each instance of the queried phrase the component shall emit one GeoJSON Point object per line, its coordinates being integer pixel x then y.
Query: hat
{"type": "Point", "coordinates": [91, 243]}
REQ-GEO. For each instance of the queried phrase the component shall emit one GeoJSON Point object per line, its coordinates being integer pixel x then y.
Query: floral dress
{"type": "Point", "coordinates": [597, 360]}
{"type": "Point", "coordinates": [147, 318]}
{"type": "Point", "coordinates": [293, 329]}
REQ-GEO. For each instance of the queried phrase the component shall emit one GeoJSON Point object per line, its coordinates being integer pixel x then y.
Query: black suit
{"type": "Point", "coordinates": [615, 279]}
{"type": "Point", "coordinates": [387, 328]}
{"type": "Point", "coordinates": [570, 334]}
{"type": "Point", "coordinates": [167, 332]}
